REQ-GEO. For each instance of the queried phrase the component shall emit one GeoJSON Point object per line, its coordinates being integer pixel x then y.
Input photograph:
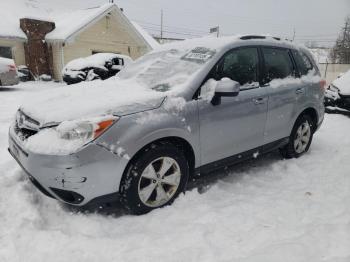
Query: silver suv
{"type": "Point", "coordinates": [187, 108]}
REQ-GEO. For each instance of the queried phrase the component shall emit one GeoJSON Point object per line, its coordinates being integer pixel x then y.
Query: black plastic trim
{"type": "Point", "coordinates": [68, 196]}
{"type": "Point", "coordinates": [229, 161]}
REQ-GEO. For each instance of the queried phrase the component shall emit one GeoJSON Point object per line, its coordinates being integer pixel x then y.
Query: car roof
{"type": "Point", "coordinates": [222, 43]}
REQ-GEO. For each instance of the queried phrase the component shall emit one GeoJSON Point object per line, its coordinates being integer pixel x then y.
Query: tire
{"type": "Point", "coordinates": [300, 138]}
{"type": "Point", "coordinates": [145, 186]}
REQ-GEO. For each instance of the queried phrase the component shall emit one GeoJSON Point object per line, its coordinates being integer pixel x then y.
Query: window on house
{"type": "Point", "coordinates": [6, 52]}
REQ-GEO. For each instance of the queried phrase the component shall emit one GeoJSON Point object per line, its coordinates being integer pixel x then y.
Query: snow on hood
{"type": "Point", "coordinates": [343, 83]}
{"type": "Point", "coordinates": [91, 99]}
{"type": "Point", "coordinates": [96, 60]}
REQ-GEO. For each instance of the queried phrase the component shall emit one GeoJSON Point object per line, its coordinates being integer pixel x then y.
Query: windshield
{"type": "Point", "coordinates": [167, 70]}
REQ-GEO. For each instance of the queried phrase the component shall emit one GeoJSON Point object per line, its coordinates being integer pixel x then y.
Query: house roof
{"type": "Point", "coordinates": [71, 23]}
{"type": "Point", "coordinates": [68, 24]}
{"type": "Point", "coordinates": [146, 36]}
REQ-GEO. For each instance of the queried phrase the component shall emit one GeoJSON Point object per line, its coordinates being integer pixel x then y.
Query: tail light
{"type": "Point", "coordinates": [12, 68]}
{"type": "Point", "coordinates": [323, 84]}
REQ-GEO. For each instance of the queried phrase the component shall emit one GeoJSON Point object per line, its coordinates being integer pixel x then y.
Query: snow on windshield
{"type": "Point", "coordinates": [166, 70]}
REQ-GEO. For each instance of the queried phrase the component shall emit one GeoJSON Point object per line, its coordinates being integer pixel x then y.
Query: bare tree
{"type": "Point", "coordinates": [341, 51]}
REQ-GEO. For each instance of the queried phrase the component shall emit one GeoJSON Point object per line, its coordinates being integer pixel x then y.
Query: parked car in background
{"type": "Point", "coordinates": [8, 72]}
{"type": "Point", "coordinates": [97, 66]}
{"type": "Point", "coordinates": [186, 108]}
{"type": "Point", "coordinates": [338, 93]}
{"type": "Point", "coordinates": [24, 73]}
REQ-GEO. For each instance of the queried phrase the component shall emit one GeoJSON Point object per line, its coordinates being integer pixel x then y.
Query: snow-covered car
{"type": "Point", "coordinates": [8, 72]}
{"type": "Point", "coordinates": [338, 93]}
{"type": "Point", "coordinates": [186, 108]}
{"type": "Point", "coordinates": [97, 66]}
{"type": "Point", "coordinates": [24, 73]}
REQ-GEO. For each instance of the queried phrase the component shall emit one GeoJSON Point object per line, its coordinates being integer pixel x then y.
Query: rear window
{"type": "Point", "coordinates": [278, 64]}
{"type": "Point", "coordinates": [303, 62]}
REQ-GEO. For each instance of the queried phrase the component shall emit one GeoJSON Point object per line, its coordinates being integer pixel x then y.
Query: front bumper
{"type": "Point", "coordinates": [75, 179]}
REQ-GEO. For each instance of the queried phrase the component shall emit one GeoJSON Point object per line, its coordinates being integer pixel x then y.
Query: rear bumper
{"type": "Point", "coordinates": [75, 179]}
{"type": "Point", "coordinates": [9, 78]}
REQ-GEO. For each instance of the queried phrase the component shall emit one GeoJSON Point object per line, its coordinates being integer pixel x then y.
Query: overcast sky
{"type": "Point", "coordinates": [320, 20]}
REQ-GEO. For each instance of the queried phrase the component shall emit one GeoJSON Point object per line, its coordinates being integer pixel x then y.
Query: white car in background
{"type": "Point", "coordinates": [96, 66]}
{"type": "Point", "coordinates": [338, 93]}
{"type": "Point", "coordinates": [8, 72]}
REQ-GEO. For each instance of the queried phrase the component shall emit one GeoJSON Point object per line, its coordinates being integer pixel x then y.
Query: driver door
{"type": "Point", "coordinates": [237, 123]}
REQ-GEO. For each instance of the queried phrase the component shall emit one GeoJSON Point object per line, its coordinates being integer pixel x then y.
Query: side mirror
{"type": "Point", "coordinates": [225, 87]}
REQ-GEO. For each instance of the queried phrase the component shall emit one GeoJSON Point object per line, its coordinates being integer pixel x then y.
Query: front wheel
{"type": "Point", "coordinates": [154, 179]}
{"type": "Point", "coordinates": [300, 138]}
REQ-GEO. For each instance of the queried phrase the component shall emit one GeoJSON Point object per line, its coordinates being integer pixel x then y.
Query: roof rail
{"type": "Point", "coordinates": [248, 37]}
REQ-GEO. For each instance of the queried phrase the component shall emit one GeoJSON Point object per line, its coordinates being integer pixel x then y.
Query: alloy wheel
{"type": "Point", "coordinates": [159, 182]}
{"type": "Point", "coordinates": [302, 137]}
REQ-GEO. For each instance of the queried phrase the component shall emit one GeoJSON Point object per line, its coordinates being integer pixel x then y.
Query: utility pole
{"type": "Point", "coordinates": [161, 25]}
{"type": "Point", "coordinates": [293, 34]}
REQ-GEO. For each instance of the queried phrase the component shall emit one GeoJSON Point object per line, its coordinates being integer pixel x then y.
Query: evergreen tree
{"type": "Point", "coordinates": [341, 50]}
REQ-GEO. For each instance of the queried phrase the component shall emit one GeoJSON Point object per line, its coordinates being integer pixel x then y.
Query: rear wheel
{"type": "Point", "coordinates": [300, 138]}
{"type": "Point", "coordinates": [154, 179]}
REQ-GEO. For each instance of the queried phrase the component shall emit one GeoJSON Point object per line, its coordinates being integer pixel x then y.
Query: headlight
{"type": "Point", "coordinates": [85, 130]}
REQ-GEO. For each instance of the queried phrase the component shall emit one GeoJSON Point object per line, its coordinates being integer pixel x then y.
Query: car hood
{"type": "Point", "coordinates": [90, 99]}
{"type": "Point", "coordinates": [343, 83]}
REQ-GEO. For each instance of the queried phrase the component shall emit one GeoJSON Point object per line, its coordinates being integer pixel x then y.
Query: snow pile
{"type": "Point", "coordinates": [343, 83]}
{"type": "Point", "coordinates": [267, 209]}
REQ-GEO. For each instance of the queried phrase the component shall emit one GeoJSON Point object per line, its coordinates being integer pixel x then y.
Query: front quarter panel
{"type": "Point", "coordinates": [133, 132]}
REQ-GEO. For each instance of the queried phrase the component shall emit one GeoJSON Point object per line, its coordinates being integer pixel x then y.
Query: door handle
{"type": "Point", "coordinates": [259, 100]}
{"type": "Point", "coordinates": [299, 91]}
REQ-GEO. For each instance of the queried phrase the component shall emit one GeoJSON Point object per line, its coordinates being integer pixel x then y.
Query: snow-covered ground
{"type": "Point", "coordinates": [264, 210]}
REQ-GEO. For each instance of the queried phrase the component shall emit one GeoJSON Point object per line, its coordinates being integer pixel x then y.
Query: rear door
{"type": "Point", "coordinates": [237, 123]}
{"type": "Point", "coordinates": [279, 74]}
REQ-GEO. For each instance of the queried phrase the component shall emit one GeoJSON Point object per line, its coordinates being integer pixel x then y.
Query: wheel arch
{"type": "Point", "coordinates": [179, 142]}
{"type": "Point", "coordinates": [312, 113]}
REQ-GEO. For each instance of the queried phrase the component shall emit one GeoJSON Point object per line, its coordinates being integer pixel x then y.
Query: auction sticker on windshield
{"type": "Point", "coordinates": [199, 55]}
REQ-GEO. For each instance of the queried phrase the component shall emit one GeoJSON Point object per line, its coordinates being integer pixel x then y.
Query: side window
{"type": "Point", "coordinates": [278, 64]}
{"type": "Point", "coordinates": [6, 52]}
{"type": "Point", "coordinates": [303, 62]}
{"type": "Point", "coordinates": [240, 65]}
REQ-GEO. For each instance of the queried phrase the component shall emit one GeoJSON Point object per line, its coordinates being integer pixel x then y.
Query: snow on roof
{"type": "Point", "coordinates": [68, 24]}
{"type": "Point", "coordinates": [146, 36]}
